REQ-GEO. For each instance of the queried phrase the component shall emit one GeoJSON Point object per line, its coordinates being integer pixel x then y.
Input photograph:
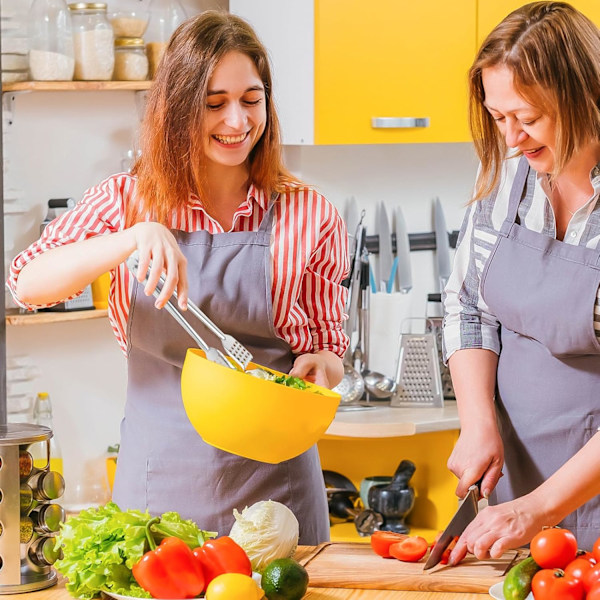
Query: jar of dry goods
{"type": "Point", "coordinates": [131, 62]}
{"type": "Point", "coordinates": [50, 41]}
{"type": "Point", "coordinates": [165, 17]}
{"type": "Point", "coordinates": [93, 41]}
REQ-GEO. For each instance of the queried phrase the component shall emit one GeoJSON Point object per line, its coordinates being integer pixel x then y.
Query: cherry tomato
{"type": "Point", "coordinates": [578, 568]}
{"type": "Point", "coordinates": [591, 578]}
{"type": "Point", "coordinates": [553, 584]}
{"type": "Point", "coordinates": [411, 549]}
{"type": "Point", "coordinates": [553, 548]}
{"type": "Point", "coordinates": [382, 540]}
{"type": "Point", "coordinates": [596, 550]}
{"type": "Point", "coordinates": [594, 593]}
{"type": "Point", "coordinates": [587, 555]}
{"type": "Point", "coordinates": [446, 555]}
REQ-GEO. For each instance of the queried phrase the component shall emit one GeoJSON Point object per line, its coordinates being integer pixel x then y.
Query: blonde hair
{"type": "Point", "coordinates": [553, 52]}
{"type": "Point", "coordinates": [171, 165]}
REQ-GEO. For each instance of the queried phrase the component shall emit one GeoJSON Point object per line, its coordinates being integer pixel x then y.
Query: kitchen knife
{"type": "Point", "coordinates": [386, 257]}
{"type": "Point", "coordinates": [353, 219]}
{"type": "Point", "coordinates": [403, 272]}
{"type": "Point", "coordinates": [354, 291]}
{"type": "Point", "coordinates": [442, 245]}
{"type": "Point", "coordinates": [466, 512]}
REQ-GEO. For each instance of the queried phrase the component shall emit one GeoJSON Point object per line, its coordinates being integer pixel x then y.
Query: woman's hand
{"type": "Point", "coordinates": [323, 368]}
{"type": "Point", "coordinates": [478, 452]}
{"type": "Point", "coordinates": [156, 243]}
{"type": "Point", "coordinates": [497, 529]}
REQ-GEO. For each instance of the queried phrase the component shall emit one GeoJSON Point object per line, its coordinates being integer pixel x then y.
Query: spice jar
{"type": "Point", "coordinates": [93, 41]}
{"type": "Point", "coordinates": [165, 17]}
{"type": "Point", "coordinates": [131, 62]}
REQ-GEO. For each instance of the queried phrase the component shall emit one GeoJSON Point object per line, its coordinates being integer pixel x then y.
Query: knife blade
{"type": "Point", "coordinates": [404, 271]}
{"type": "Point", "coordinates": [466, 512]}
{"type": "Point", "coordinates": [442, 245]}
{"type": "Point", "coordinates": [386, 257]}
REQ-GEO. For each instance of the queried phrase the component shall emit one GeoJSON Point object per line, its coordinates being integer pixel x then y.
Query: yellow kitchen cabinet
{"type": "Point", "coordinates": [491, 12]}
{"type": "Point", "coordinates": [387, 71]}
{"type": "Point", "coordinates": [434, 484]}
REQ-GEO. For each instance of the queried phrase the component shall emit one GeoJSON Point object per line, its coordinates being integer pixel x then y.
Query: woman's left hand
{"type": "Point", "coordinates": [499, 528]}
{"type": "Point", "coordinates": [311, 367]}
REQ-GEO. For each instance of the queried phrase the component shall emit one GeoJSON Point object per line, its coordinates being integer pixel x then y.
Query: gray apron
{"type": "Point", "coordinates": [164, 465]}
{"type": "Point", "coordinates": [543, 292]}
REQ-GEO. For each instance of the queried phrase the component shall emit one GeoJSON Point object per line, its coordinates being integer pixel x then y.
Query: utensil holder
{"type": "Point", "coordinates": [27, 524]}
{"type": "Point", "coordinates": [418, 376]}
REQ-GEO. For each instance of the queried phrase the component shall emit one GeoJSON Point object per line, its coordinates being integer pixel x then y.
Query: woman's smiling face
{"type": "Point", "coordinates": [236, 112]}
{"type": "Point", "coordinates": [524, 126]}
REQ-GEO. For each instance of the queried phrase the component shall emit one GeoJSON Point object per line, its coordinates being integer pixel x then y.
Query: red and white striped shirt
{"type": "Point", "coordinates": [308, 249]}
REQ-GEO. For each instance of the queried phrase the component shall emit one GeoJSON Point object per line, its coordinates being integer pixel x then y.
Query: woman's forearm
{"type": "Point", "coordinates": [473, 373]}
{"type": "Point", "coordinates": [61, 272]}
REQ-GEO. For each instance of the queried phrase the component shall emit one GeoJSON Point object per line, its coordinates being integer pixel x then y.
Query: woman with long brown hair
{"type": "Point", "coordinates": [522, 320]}
{"type": "Point", "coordinates": [210, 203]}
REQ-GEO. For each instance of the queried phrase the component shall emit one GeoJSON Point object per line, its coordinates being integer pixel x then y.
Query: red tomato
{"type": "Point", "coordinates": [591, 578]}
{"type": "Point", "coordinates": [446, 555]}
{"type": "Point", "coordinates": [594, 593]}
{"type": "Point", "coordinates": [553, 548]}
{"type": "Point", "coordinates": [596, 550]}
{"type": "Point", "coordinates": [587, 555]}
{"type": "Point", "coordinates": [382, 540]}
{"type": "Point", "coordinates": [578, 568]}
{"type": "Point", "coordinates": [553, 584]}
{"type": "Point", "coordinates": [411, 549]}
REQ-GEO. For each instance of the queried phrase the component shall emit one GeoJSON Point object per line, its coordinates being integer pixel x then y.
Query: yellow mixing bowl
{"type": "Point", "coordinates": [255, 418]}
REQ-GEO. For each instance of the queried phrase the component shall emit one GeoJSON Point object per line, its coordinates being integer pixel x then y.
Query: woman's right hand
{"type": "Point", "coordinates": [478, 452]}
{"type": "Point", "coordinates": [156, 243]}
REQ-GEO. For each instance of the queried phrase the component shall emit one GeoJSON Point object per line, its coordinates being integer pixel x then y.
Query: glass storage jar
{"type": "Point", "coordinates": [50, 41]}
{"type": "Point", "coordinates": [130, 19]}
{"type": "Point", "coordinates": [165, 17]}
{"type": "Point", "coordinates": [131, 62]}
{"type": "Point", "coordinates": [93, 41]}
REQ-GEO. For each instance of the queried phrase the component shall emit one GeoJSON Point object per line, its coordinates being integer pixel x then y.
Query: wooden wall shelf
{"type": "Point", "coordinates": [76, 86]}
{"type": "Point", "coordinates": [40, 318]}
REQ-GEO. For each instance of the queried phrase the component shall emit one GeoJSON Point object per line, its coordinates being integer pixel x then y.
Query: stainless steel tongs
{"type": "Point", "coordinates": [236, 352]}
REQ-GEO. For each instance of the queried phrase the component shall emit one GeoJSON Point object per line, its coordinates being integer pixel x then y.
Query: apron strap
{"type": "Point", "coordinates": [516, 193]}
{"type": "Point", "coordinates": [267, 220]}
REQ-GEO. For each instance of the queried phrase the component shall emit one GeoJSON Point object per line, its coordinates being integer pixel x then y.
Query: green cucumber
{"type": "Point", "coordinates": [517, 583]}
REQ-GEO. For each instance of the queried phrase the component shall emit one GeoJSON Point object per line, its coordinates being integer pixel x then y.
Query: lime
{"type": "Point", "coordinates": [284, 579]}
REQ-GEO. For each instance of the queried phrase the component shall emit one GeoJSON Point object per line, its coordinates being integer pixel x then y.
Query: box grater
{"type": "Point", "coordinates": [418, 370]}
{"type": "Point", "coordinates": [435, 325]}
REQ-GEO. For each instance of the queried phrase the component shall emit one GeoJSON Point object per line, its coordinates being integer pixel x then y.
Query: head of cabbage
{"type": "Point", "coordinates": [266, 530]}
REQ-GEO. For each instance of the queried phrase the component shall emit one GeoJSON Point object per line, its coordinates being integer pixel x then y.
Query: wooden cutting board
{"type": "Point", "coordinates": [356, 566]}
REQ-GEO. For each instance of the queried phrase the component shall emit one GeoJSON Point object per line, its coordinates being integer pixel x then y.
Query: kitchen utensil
{"type": "Point", "coordinates": [442, 244]}
{"type": "Point", "coordinates": [239, 353]}
{"type": "Point", "coordinates": [368, 482]}
{"type": "Point", "coordinates": [403, 271]}
{"type": "Point", "coordinates": [466, 512]}
{"type": "Point", "coordinates": [379, 385]}
{"type": "Point", "coordinates": [355, 566]}
{"type": "Point", "coordinates": [211, 353]}
{"type": "Point", "coordinates": [396, 500]}
{"type": "Point", "coordinates": [251, 417]}
{"type": "Point", "coordinates": [335, 480]}
{"type": "Point", "coordinates": [418, 369]}
{"type": "Point", "coordinates": [342, 505]}
{"type": "Point", "coordinates": [354, 282]}
{"type": "Point", "coordinates": [435, 324]}
{"type": "Point", "coordinates": [385, 278]}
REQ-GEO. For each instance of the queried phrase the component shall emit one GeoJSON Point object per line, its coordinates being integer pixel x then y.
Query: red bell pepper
{"type": "Point", "coordinates": [169, 570]}
{"type": "Point", "coordinates": [222, 555]}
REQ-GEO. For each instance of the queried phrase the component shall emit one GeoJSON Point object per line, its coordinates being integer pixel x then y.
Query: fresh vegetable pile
{"type": "Point", "coordinates": [294, 382]}
{"type": "Point", "coordinates": [134, 554]}
{"type": "Point", "coordinates": [555, 570]}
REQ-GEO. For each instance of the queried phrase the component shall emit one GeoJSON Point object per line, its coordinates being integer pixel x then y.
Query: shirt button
{"type": "Point", "coordinates": [573, 234]}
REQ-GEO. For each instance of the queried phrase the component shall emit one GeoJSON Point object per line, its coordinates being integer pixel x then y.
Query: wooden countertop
{"type": "Point", "coordinates": [388, 421]}
{"type": "Point", "coordinates": [58, 592]}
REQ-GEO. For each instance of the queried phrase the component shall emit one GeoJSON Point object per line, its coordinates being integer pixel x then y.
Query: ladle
{"type": "Point", "coordinates": [378, 384]}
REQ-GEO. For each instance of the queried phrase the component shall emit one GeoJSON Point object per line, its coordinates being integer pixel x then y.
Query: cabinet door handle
{"type": "Point", "coordinates": [399, 122]}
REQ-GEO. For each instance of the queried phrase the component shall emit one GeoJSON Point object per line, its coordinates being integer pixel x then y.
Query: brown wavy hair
{"type": "Point", "coordinates": [172, 161]}
{"type": "Point", "coordinates": [553, 52]}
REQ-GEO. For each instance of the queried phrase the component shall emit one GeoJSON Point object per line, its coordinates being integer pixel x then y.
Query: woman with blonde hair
{"type": "Point", "coordinates": [211, 205]}
{"type": "Point", "coordinates": [522, 305]}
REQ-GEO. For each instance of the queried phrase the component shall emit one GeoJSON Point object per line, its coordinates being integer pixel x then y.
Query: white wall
{"type": "Point", "coordinates": [61, 143]}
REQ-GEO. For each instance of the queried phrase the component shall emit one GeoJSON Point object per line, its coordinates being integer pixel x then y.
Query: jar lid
{"type": "Point", "coordinates": [87, 6]}
{"type": "Point", "coordinates": [132, 42]}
